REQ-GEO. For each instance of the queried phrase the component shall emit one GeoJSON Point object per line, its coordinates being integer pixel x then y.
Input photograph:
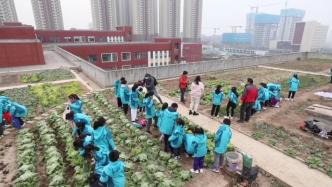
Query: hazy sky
{"type": "Point", "coordinates": [216, 13]}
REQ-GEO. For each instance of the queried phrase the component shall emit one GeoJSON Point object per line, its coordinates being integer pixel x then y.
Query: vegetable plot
{"type": "Point", "coordinates": [146, 164]}
{"type": "Point", "coordinates": [46, 76]}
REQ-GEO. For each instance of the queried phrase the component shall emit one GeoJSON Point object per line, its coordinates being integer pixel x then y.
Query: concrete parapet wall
{"type": "Point", "coordinates": [106, 78]}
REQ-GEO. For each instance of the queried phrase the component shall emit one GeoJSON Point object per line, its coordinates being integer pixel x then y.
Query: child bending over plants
{"type": "Point", "coordinates": [176, 139]}
{"type": "Point", "coordinates": [167, 124]}
{"type": "Point", "coordinates": [114, 172]}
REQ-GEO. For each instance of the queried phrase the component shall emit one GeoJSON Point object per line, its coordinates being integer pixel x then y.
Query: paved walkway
{"type": "Point", "coordinates": [287, 169]}
{"type": "Point", "coordinates": [52, 61]}
{"type": "Point", "coordinates": [294, 70]}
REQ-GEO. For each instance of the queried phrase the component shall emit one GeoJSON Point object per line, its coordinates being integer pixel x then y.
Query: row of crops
{"type": "Point", "coordinates": [46, 76]}
{"type": "Point", "coordinates": [46, 156]}
{"type": "Point", "coordinates": [38, 99]}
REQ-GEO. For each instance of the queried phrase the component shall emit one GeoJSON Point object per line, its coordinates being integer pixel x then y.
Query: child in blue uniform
{"type": "Point", "coordinates": [176, 139]}
{"type": "Point", "coordinates": [217, 98]}
{"type": "Point", "coordinates": [75, 118]}
{"type": "Point", "coordinates": [4, 107]}
{"type": "Point", "coordinates": [200, 150]}
{"type": "Point", "coordinates": [102, 136]}
{"type": "Point", "coordinates": [17, 112]}
{"type": "Point", "coordinates": [294, 84]}
{"type": "Point", "coordinates": [232, 103]}
{"type": "Point", "coordinates": [117, 86]}
{"type": "Point", "coordinates": [75, 103]}
{"type": "Point", "coordinates": [150, 112]}
{"type": "Point", "coordinates": [125, 96]}
{"type": "Point", "coordinates": [222, 138]}
{"type": "Point", "coordinates": [134, 98]}
{"type": "Point", "coordinates": [167, 124]}
{"type": "Point", "coordinates": [113, 174]}
{"type": "Point", "coordinates": [160, 113]}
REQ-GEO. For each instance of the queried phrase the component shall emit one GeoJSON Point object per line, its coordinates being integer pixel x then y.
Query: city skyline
{"type": "Point", "coordinates": [215, 15]}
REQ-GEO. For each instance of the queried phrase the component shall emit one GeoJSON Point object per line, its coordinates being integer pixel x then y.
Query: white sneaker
{"type": "Point", "coordinates": [216, 170]}
{"type": "Point", "coordinates": [177, 157]}
{"type": "Point", "coordinates": [292, 100]}
{"type": "Point", "coordinates": [287, 99]}
{"type": "Point", "coordinates": [194, 171]}
{"type": "Point", "coordinates": [201, 170]}
{"type": "Point", "coordinates": [226, 117]}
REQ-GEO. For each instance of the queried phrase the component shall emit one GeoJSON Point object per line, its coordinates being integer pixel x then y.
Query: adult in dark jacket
{"type": "Point", "coordinates": [150, 83]}
{"type": "Point", "coordinates": [248, 98]}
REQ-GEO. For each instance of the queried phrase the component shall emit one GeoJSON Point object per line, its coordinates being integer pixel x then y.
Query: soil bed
{"type": "Point", "coordinates": [313, 65]}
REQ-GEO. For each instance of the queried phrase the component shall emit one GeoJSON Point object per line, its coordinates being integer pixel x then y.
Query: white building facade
{"type": "Point", "coordinates": [104, 14]}
{"type": "Point", "coordinates": [47, 14]}
{"type": "Point", "coordinates": [7, 11]}
{"type": "Point", "coordinates": [192, 20]}
{"type": "Point", "coordinates": [169, 18]}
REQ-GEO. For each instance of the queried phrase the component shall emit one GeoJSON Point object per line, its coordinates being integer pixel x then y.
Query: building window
{"type": "Point", "coordinates": [165, 54]}
{"type": "Point", "coordinates": [139, 55]}
{"type": "Point", "coordinates": [67, 39]}
{"type": "Point", "coordinates": [151, 54]}
{"type": "Point", "coordinates": [151, 64]}
{"type": "Point", "coordinates": [109, 57]}
{"type": "Point", "coordinates": [92, 58]}
{"type": "Point", "coordinates": [91, 39]}
{"type": "Point", "coordinates": [165, 63]}
{"type": "Point", "coordinates": [125, 56]}
{"type": "Point", "coordinates": [161, 64]}
{"type": "Point", "coordinates": [161, 54]}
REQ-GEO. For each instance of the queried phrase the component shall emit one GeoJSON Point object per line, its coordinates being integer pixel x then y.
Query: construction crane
{"type": "Point", "coordinates": [235, 27]}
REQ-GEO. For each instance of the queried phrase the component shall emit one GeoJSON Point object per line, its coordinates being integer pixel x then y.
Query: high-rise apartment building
{"type": "Point", "coordinates": [263, 28]}
{"type": "Point", "coordinates": [192, 20]}
{"type": "Point", "coordinates": [7, 11]}
{"type": "Point", "coordinates": [309, 36]}
{"type": "Point", "coordinates": [169, 18]}
{"type": "Point", "coordinates": [48, 14]}
{"type": "Point", "coordinates": [124, 12]}
{"type": "Point", "coordinates": [288, 20]}
{"type": "Point", "coordinates": [104, 14]}
{"type": "Point", "coordinates": [145, 18]}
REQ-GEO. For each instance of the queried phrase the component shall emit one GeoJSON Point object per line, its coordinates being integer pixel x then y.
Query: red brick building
{"type": "Point", "coordinates": [161, 52]}
{"type": "Point", "coordinates": [192, 52]}
{"type": "Point", "coordinates": [121, 34]}
{"type": "Point", "coordinates": [19, 46]}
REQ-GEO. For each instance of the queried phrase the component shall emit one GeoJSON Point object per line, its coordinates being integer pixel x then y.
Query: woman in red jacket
{"type": "Point", "coordinates": [183, 84]}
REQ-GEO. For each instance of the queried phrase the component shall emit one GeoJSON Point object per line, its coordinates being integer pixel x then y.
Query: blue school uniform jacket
{"type": "Point", "coordinates": [87, 141]}
{"type": "Point", "coordinates": [160, 115]}
{"type": "Point", "coordinates": [188, 143]}
{"type": "Point", "coordinates": [101, 158]}
{"type": "Point", "coordinates": [117, 85]}
{"type": "Point", "coordinates": [150, 110]}
{"type": "Point", "coordinates": [263, 94]}
{"type": "Point", "coordinates": [233, 98]}
{"type": "Point", "coordinates": [102, 138]}
{"type": "Point", "coordinates": [168, 121]}
{"type": "Point", "coordinates": [80, 117]}
{"type": "Point", "coordinates": [4, 106]}
{"type": "Point", "coordinates": [222, 139]}
{"type": "Point", "coordinates": [294, 84]}
{"type": "Point", "coordinates": [134, 100]}
{"type": "Point", "coordinates": [200, 145]}
{"type": "Point", "coordinates": [176, 139]}
{"type": "Point", "coordinates": [114, 174]}
{"type": "Point", "coordinates": [88, 130]}
{"type": "Point", "coordinates": [257, 106]}
{"type": "Point", "coordinates": [76, 106]}
{"type": "Point", "coordinates": [18, 110]}
{"type": "Point", "coordinates": [124, 94]}
{"type": "Point", "coordinates": [217, 98]}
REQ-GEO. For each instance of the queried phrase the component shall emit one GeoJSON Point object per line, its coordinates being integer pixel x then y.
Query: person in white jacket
{"type": "Point", "coordinates": [196, 93]}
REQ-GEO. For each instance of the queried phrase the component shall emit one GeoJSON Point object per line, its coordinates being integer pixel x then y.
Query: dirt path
{"type": "Point", "coordinates": [8, 158]}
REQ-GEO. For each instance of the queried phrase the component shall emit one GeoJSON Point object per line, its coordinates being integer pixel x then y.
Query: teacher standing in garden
{"type": "Point", "coordinates": [197, 91]}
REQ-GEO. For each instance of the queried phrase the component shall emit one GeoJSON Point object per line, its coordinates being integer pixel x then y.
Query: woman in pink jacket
{"type": "Point", "coordinates": [197, 90]}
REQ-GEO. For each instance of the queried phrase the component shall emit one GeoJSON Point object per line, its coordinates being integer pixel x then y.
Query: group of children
{"type": "Point", "coordinates": [172, 128]}
{"type": "Point", "coordinates": [11, 113]}
{"type": "Point", "coordinates": [95, 142]}
{"type": "Point", "coordinates": [268, 95]}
